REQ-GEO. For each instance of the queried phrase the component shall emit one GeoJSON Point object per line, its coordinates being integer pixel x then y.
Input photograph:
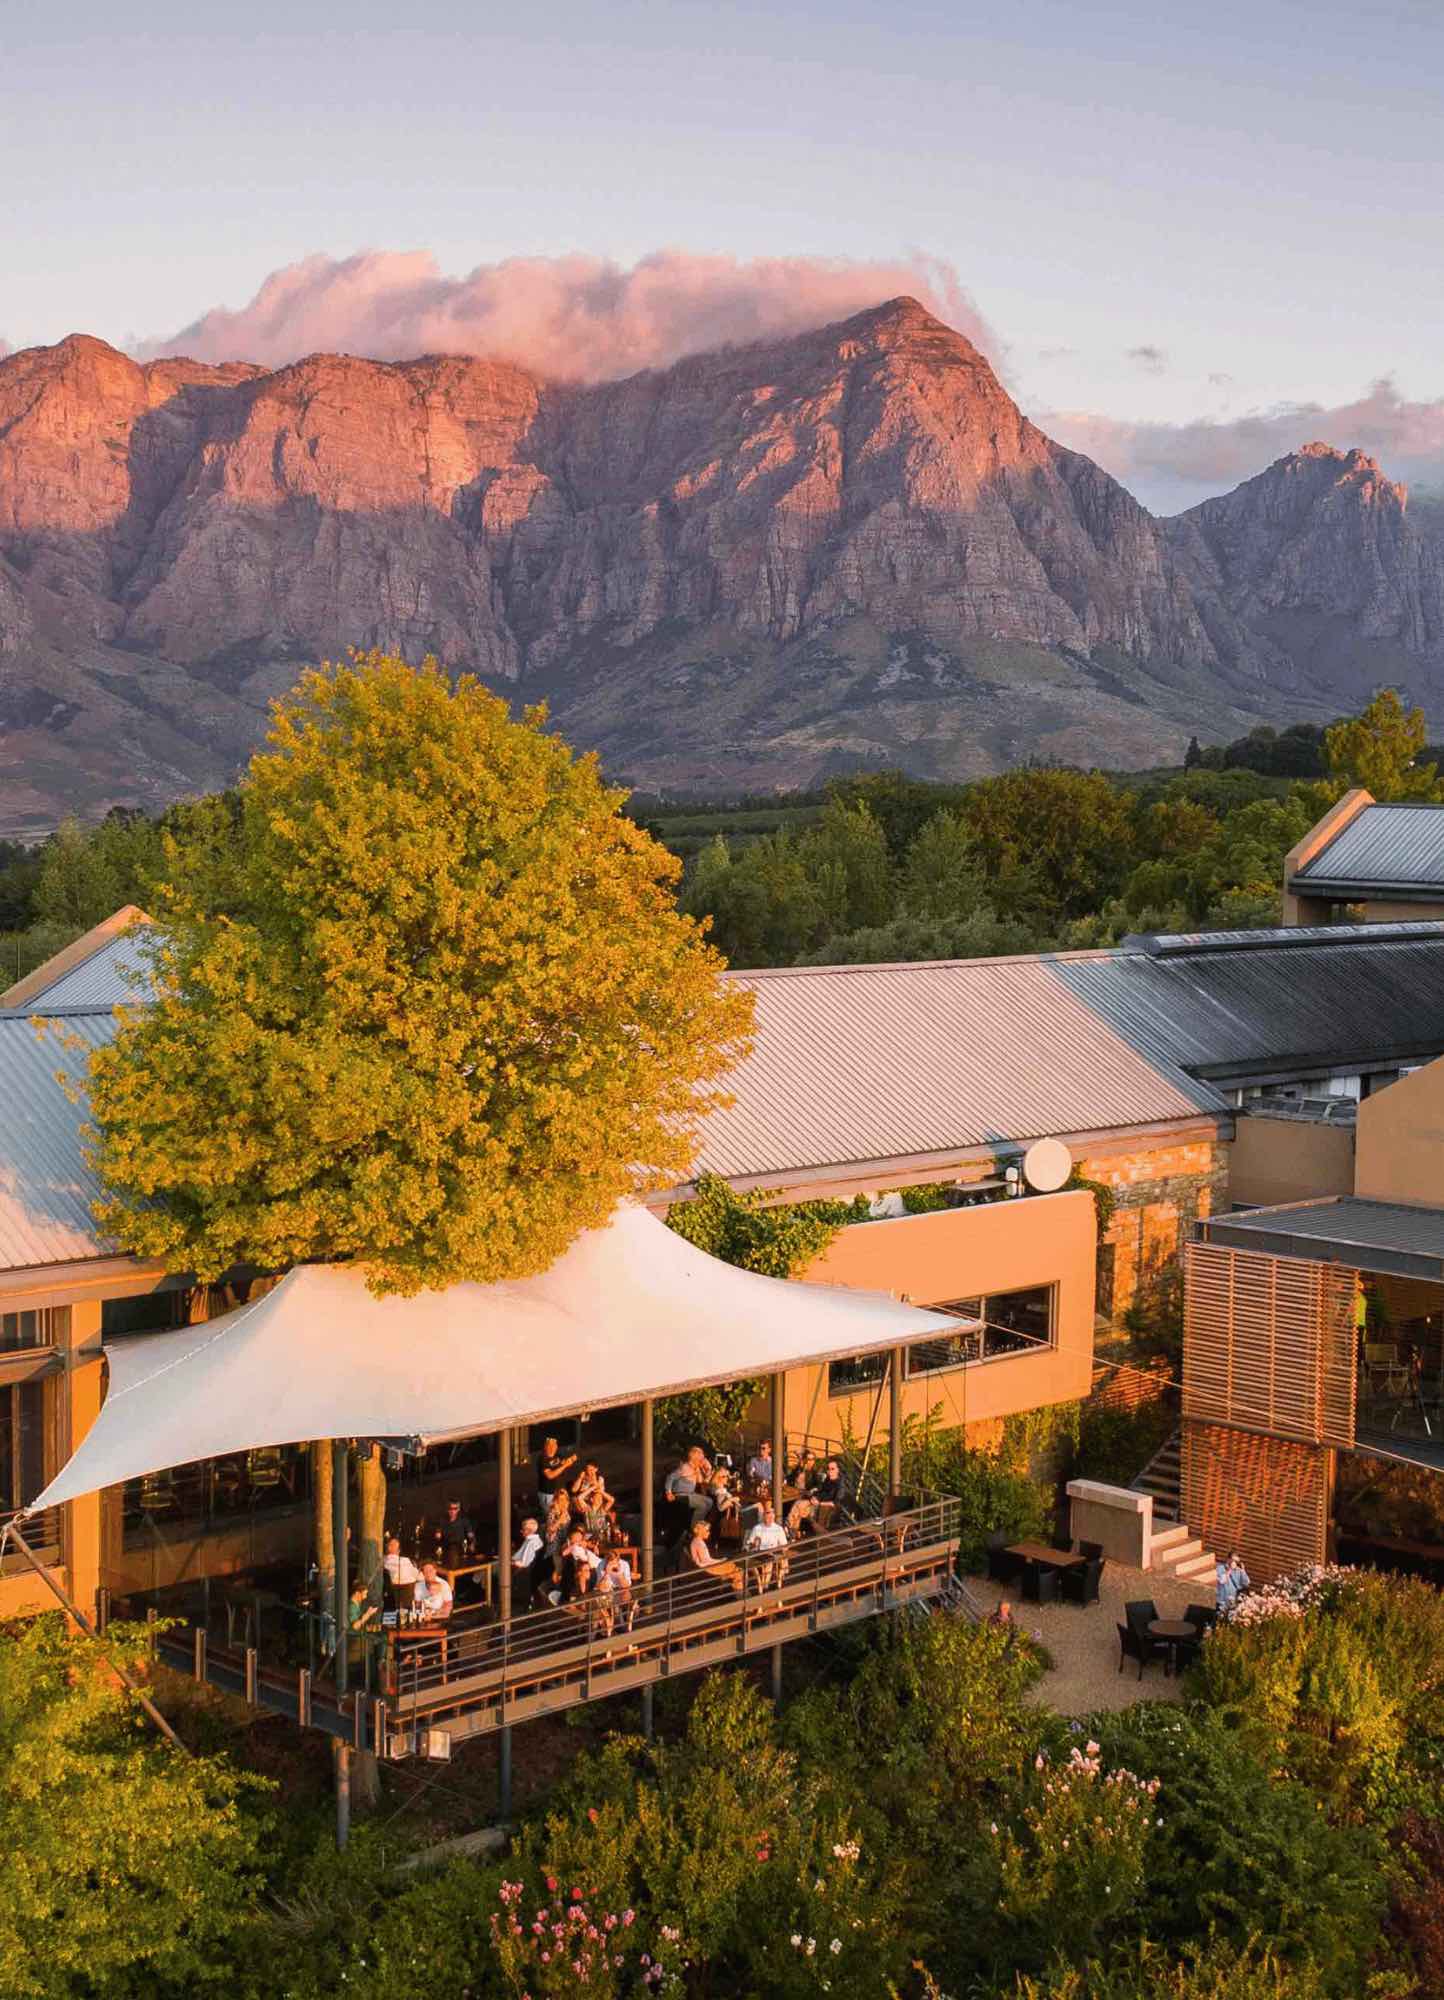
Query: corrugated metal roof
{"type": "Point", "coordinates": [1383, 847]}
{"type": "Point", "coordinates": [858, 1063]}
{"type": "Point", "coordinates": [99, 981]}
{"type": "Point", "coordinates": [1368, 1235]}
{"type": "Point", "coordinates": [46, 1189]}
{"type": "Point", "coordinates": [1272, 999]}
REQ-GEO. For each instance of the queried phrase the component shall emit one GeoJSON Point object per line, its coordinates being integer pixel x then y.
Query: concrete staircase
{"type": "Point", "coordinates": [1174, 1550]}
{"type": "Point", "coordinates": [1177, 1553]}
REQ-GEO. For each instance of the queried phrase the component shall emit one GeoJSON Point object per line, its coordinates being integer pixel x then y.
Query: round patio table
{"type": "Point", "coordinates": [1174, 1633]}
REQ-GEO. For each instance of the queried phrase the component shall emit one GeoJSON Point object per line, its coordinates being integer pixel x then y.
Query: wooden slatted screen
{"type": "Point", "coordinates": [1266, 1497]}
{"type": "Point", "coordinates": [1268, 1344]}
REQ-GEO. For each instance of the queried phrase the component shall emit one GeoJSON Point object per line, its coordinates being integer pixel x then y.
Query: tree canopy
{"type": "Point", "coordinates": [423, 999]}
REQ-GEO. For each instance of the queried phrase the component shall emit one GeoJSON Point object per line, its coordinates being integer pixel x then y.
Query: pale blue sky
{"type": "Point", "coordinates": [1253, 190]}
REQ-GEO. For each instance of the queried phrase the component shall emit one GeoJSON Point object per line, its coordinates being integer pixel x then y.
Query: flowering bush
{"type": "Point", "coordinates": [1068, 1859]}
{"type": "Point", "coordinates": [1318, 1585]}
{"type": "Point", "coordinates": [555, 1941]}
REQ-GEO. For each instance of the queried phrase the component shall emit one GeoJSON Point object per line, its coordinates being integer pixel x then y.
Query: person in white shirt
{"type": "Point", "coordinates": [524, 1573]}
{"type": "Point", "coordinates": [433, 1593]}
{"type": "Point", "coordinates": [398, 1568]}
{"type": "Point", "coordinates": [769, 1538]}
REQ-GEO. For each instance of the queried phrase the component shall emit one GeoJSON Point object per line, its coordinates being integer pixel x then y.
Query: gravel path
{"type": "Point", "coordinates": [1084, 1640]}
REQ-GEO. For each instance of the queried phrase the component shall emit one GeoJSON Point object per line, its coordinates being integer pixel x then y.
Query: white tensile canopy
{"type": "Point", "coordinates": [629, 1311]}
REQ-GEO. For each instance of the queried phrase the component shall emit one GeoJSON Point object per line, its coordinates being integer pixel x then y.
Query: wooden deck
{"type": "Point", "coordinates": [489, 1675]}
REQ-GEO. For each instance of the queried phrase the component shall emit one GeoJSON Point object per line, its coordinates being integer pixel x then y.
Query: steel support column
{"type": "Point", "coordinates": [648, 1536]}
{"type": "Point", "coordinates": [340, 1530]}
{"type": "Point", "coordinates": [894, 1423]}
{"type": "Point", "coordinates": [779, 1403]}
{"type": "Point", "coordinates": [505, 1452]}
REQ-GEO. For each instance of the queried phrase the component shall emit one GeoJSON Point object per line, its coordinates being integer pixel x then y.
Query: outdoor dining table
{"type": "Point", "coordinates": [1045, 1557]}
{"type": "Point", "coordinates": [478, 1566]}
{"type": "Point", "coordinates": [1174, 1632]}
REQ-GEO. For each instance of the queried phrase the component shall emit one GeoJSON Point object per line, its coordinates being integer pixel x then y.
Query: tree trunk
{"type": "Point", "coordinates": [323, 1522]}
{"type": "Point", "coordinates": [370, 1546]}
{"type": "Point", "coordinates": [370, 1518]}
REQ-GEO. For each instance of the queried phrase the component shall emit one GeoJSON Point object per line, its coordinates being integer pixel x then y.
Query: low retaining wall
{"type": "Point", "coordinates": [1114, 1516]}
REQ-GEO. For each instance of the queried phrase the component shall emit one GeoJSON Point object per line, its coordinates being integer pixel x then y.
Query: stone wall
{"type": "Point", "coordinates": [1159, 1194]}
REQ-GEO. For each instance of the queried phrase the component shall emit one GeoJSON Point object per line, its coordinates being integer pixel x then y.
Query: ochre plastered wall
{"type": "Point", "coordinates": [998, 1246]}
{"type": "Point", "coordinates": [1288, 1159]}
{"type": "Point", "coordinates": [1399, 1143]}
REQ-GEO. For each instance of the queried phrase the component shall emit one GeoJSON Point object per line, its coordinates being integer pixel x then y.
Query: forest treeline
{"type": "Point", "coordinates": [884, 867]}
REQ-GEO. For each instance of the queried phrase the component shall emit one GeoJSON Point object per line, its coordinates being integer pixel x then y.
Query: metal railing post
{"type": "Point", "coordinates": [252, 1678]}
{"type": "Point", "coordinates": [200, 1659]}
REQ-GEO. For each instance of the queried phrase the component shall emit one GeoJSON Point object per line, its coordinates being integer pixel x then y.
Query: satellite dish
{"type": "Point", "coordinates": [1046, 1165]}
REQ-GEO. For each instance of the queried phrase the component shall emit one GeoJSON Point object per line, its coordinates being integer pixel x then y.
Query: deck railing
{"type": "Point", "coordinates": [473, 1674]}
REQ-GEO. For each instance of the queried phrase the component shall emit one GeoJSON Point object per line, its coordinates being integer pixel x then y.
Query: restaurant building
{"type": "Point", "coordinates": [869, 1080]}
{"type": "Point", "coordinates": [1314, 1345]}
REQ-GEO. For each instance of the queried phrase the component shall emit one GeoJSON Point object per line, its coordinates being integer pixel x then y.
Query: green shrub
{"type": "Point", "coordinates": [1114, 1445]}
{"type": "Point", "coordinates": [1244, 1853]}
{"type": "Point", "coordinates": [1147, 1972]}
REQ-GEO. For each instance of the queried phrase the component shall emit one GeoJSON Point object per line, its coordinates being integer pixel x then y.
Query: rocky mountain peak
{"type": "Point", "coordinates": [762, 565]}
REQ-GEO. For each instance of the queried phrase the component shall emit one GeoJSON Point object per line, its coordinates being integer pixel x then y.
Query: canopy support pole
{"type": "Point", "coordinates": [894, 1423]}
{"type": "Point", "coordinates": [648, 1534]}
{"type": "Point", "coordinates": [779, 1399]}
{"type": "Point", "coordinates": [505, 1449]}
{"type": "Point", "coordinates": [53, 1584]}
{"type": "Point", "coordinates": [341, 1606]}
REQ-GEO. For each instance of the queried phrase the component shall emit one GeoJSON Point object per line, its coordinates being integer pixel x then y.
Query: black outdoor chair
{"type": "Point", "coordinates": [1140, 1615]}
{"type": "Point", "coordinates": [1093, 1551]}
{"type": "Point", "coordinates": [1002, 1566]}
{"type": "Point", "coordinates": [1040, 1584]}
{"type": "Point", "coordinates": [1080, 1584]}
{"type": "Point", "coordinates": [1131, 1647]}
{"type": "Point", "coordinates": [1205, 1617]}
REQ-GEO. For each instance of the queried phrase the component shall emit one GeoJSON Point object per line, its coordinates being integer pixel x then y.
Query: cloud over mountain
{"type": "Point", "coordinates": [1170, 466]}
{"type": "Point", "coordinates": [577, 318]}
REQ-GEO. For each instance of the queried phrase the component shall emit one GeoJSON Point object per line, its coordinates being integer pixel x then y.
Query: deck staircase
{"type": "Point", "coordinates": [1161, 1479]}
{"type": "Point", "coordinates": [1174, 1550]}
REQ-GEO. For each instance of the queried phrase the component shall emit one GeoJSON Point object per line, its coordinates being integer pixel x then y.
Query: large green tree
{"type": "Point", "coordinates": [423, 999]}
{"type": "Point", "coordinates": [1381, 749]}
{"type": "Point", "coordinates": [129, 1866]}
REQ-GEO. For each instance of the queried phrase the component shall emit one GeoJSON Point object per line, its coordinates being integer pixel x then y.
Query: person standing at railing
{"type": "Point", "coordinates": [525, 1570]}
{"type": "Point", "coordinates": [614, 1594]}
{"type": "Point", "coordinates": [551, 1473]}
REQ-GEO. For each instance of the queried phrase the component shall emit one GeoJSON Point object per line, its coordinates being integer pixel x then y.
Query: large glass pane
{"type": "Point", "coordinates": [864, 1371]}
{"type": "Point", "coordinates": [22, 1444]}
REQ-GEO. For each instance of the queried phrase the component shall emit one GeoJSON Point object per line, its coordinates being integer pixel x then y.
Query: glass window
{"type": "Point", "coordinates": [22, 1444]}
{"type": "Point", "coordinates": [1011, 1323]}
{"type": "Point", "coordinates": [863, 1371]}
{"type": "Point", "coordinates": [151, 1312]}
{"type": "Point", "coordinates": [45, 1326]}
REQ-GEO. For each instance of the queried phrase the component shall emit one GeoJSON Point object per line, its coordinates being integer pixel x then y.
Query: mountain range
{"type": "Point", "coordinates": [754, 569]}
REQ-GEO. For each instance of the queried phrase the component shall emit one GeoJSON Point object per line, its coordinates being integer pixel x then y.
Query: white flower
{"type": "Point", "coordinates": [835, 1947]}
{"type": "Point", "coordinates": [796, 1940]}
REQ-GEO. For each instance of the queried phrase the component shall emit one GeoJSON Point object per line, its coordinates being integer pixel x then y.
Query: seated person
{"type": "Point", "coordinates": [801, 1517]}
{"type": "Point", "coordinates": [551, 1472]}
{"type": "Point", "coordinates": [525, 1573]}
{"type": "Point", "coordinates": [586, 1479]}
{"type": "Point", "coordinates": [698, 1556]}
{"type": "Point", "coordinates": [804, 1473]}
{"type": "Point", "coordinates": [399, 1569]}
{"type": "Point", "coordinates": [614, 1594]}
{"type": "Point", "coordinates": [759, 1466]}
{"type": "Point", "coordinates": [726, 1506]}
{"type": "Point", "coordinates": [433, 1594]}
{"type": "Point", "coordinates": [768, 1538]}
{"type": "Point", "coordinates": [577, 1569]}
{"type": "Point", "coordinates": [683, 1483]}
{"type": "Point", "coordinates": [831, 1492]}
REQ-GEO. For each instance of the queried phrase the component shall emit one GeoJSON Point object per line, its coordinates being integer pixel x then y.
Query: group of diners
{"type": "Point", "coordinates": [576, 1545]}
